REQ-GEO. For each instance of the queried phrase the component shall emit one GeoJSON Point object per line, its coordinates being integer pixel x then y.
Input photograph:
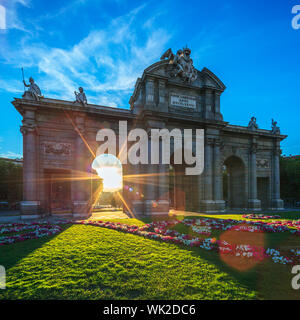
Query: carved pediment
{"type": "Point", "coordinates": [174, 85]}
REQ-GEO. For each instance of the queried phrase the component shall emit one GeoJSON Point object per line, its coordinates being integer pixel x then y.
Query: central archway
{"type": "Point", "coordinates": [182, 187]}
{"type": "Point", "coordinates": [234, 183]}
{"type": "Point", "coordinates": [105, 190]}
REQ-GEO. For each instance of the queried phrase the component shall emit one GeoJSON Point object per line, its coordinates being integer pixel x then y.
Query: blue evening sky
{"type": "Point", "coordinates": [104, 45]}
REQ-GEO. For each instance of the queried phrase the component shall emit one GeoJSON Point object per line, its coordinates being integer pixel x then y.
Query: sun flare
{"type": "Point", "coordinates": [109, 169]}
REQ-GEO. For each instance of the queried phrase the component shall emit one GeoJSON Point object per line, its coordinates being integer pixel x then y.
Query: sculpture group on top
{"type": "Point", "coordinates": [181, 64]}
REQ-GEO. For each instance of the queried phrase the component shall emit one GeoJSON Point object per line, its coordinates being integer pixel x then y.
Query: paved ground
{"type": "Point", "coordinates": [13, 216]}
{"type": "Point", "coordinates": [190, 213]}
{"type": "Point", "coordinates": [110, 215]}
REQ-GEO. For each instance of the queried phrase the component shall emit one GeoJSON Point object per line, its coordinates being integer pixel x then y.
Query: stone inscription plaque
{"type": "Point", "coordinates": [178, 100]}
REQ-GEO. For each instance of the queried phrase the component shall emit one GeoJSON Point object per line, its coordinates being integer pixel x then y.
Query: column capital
{"type": "Point", "coordinates": [209, 141]}
{"type": "Point", "coordinates": [162, 83]}
{"type": "Point", "coordinates": [277, 152]}
{"type": "Point", "coordinates": [149, 79]}
{"type": "Point", "coordinates": [219, 142]}
{"type": "Point", "coordinates": [253, 148]}
{"type": "Point", "coordinates": [208, 91]}
{"type": "Point", "coordinates": [29, 125]}
{"type": "Point", "coordinates": [24, 130]}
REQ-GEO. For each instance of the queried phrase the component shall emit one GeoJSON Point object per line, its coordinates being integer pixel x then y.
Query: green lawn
{"type": "Point", "coordinates": [290, 215]}
{"type": "Point", "coordinates": [88, 262]}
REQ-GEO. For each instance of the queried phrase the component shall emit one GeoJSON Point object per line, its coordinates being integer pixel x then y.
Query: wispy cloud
{"type": "Point", "coordinates": [61, 11]}
{"type": "Point", "coordinates": [12, 18]}
{"type": "Point", "coordinates": [10, 155]}
{"type": "Point", "coordinates": [106, 62]}
{"type": "Point", "coordinates": [12, 86]}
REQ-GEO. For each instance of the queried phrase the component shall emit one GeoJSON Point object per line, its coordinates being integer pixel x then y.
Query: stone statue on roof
{"type": "Point", "coordinates": [252, 125]}
{"type": "Point", "coordinates": [80, 97]}
{"type": "Point", "coordinates": [34, 90]}
{"type": "Point", "coordinates": [275, 129]}
{"type": "Point", "coordinates": [182, 64]}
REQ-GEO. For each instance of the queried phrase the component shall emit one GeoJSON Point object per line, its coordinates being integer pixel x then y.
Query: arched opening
{"type": "Point", "coordinates": [177, 190]}
{"type": "Point", "coordinates": [182, 187]}
{"type": "Point", "coordinates": [234, 183]}
{"type": "Point", "coordinates": [110, 182]}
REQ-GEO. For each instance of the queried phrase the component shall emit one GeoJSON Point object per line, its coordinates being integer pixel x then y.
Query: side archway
{"type": "Point", "coordinates": [234, 183]}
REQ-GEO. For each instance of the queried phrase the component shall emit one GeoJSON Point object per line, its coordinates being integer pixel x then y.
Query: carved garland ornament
{"type": "Point", "coordinates": [57, 148]}
{"type": "Point", "coordinates": [263, 163]}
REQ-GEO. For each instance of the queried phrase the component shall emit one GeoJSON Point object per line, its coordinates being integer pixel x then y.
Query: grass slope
{"type": "Point", "coordinates": [87, 262]}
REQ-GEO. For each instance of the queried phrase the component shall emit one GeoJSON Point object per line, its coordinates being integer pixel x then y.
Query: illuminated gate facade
{"type": "Point", "coordinates": [61, 135]}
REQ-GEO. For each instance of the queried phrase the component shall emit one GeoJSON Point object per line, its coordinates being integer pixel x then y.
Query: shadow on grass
{"type": "Point", "coordinates": [270, 280]}
{"type": "Point", "coordinates": [11, 254]}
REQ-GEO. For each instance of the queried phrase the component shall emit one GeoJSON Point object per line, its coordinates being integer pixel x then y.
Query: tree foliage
{"type": "Point", "coordinates": [290, 178]}
{"type": "Point", "coordinates": [10, 181]}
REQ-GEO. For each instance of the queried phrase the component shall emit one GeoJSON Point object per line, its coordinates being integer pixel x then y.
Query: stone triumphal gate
{"type": "Point", "coordinates": [59, 138]}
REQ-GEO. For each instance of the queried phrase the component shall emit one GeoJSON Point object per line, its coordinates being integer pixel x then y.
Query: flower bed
{"type": "Point", "coordinates": [260, 216]}
{"type": "Point", "coordinates": [34, 230]}
{"type": "Point", "coordinates": [163, 230]}
{"type": "Point", "coordinates": [239, 250]}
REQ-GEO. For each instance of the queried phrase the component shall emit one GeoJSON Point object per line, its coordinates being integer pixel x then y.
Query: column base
{"type": "Point", "coordinates": [156, 207]}
{"type": "Point", "coordinates": [81, 209]}
{"type": "Point", "coordinates": [162, 107]}
{"type": "Point", "coordinates": [277, 204]}
{"type": "Point", "coordinates": [254, 204]}
{"type": "Point", "coordinates": [138, 207]}
{"type": "Point", "coordinates": [30, 209]}
{"type": "Point", "coordinates": [212, 206]}
{"type": "Point", "coordinates": [220, 205]}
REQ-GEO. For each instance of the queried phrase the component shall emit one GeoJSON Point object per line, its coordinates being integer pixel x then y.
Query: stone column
{"type": "Point", "coordinates": [162, 103]}
{"type": "Point", "coordinates": [218, 179]}
{"type": "Point", "coordinates": [138, 202]}
{"type": "Point", "coordinates": [218, 115]}
{"type": "Point", "coordinates": [208, 104]}
{"type": "Point", "coordinates": [80, 189]}
{"type": "Point", "coordinates": [277, 203]}
{"type": "Point", "coordinates": [149, 88]}
{"type": "Point", "coordinates": [253, 202]}
{"type": "Point", "coordinates": [208, 204]}
{"type": "Point", "coordinates": [208, 169]}
{"type": "Point", "coordinates": [152, 184]}
{"type": "Point", "coordinates": [30, 206]}
{"type": "Point", "coordinates": [163, 184]}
